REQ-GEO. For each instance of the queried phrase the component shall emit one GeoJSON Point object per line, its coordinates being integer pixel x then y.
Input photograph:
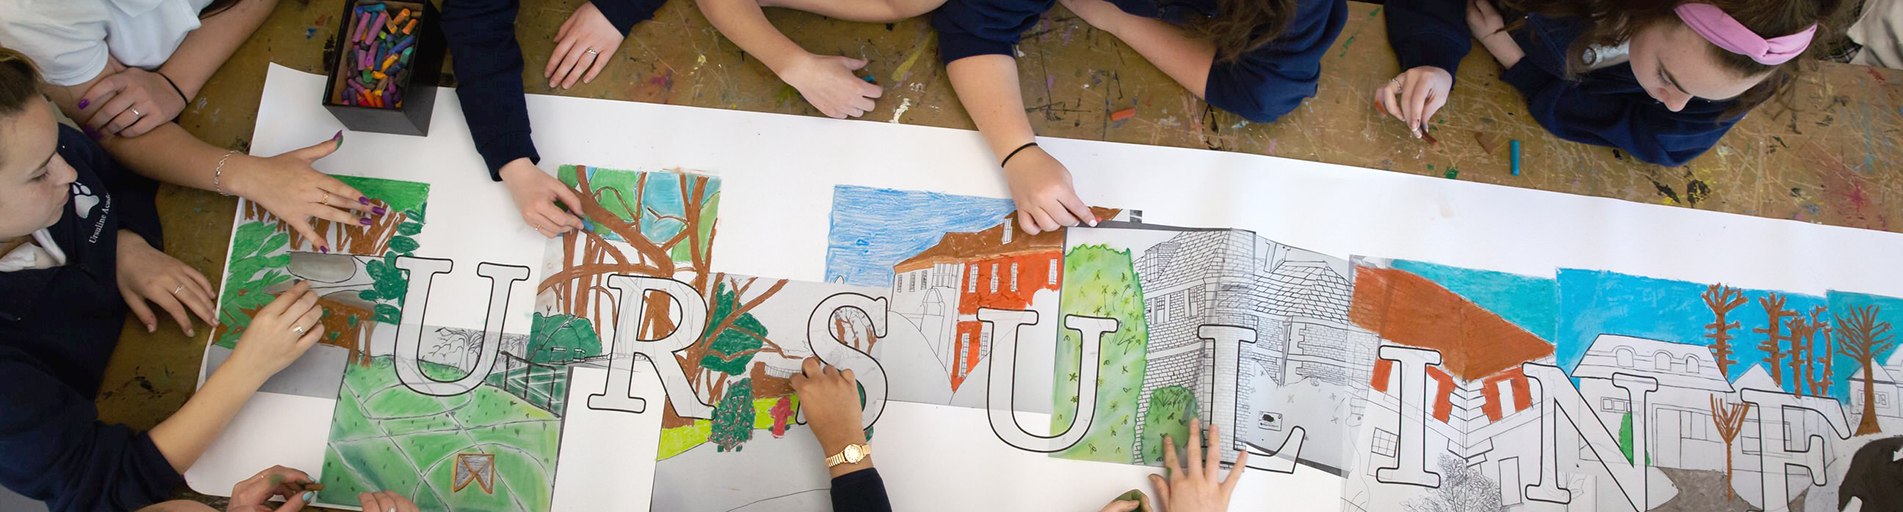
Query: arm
{"type": "Point", "coordinates": [831, 400]}
{"type": "Point", "coordinates": [1185, 59]}
{"type": "Point", "coordinates": [206, 49]}
{"type": "Point", "coordinates": [1640, 127]}
{"type": "Point", "coordinates": [827, 82]}
{"type": "Point", "coordinates": [1429, 33]}
{"type": "Point", "coordinates": [490, 80]}
{"type": "Point", "coordinates": [57, 449]}
{"type": "Point", "coordinates": [860, 491]}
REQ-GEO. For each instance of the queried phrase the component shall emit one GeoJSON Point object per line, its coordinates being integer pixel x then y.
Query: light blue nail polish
{"type": "Point", "coordinates": [310, 496]}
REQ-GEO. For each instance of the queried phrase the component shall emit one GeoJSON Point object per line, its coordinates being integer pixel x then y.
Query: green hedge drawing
{"type": "Point", "coordinates": [733, 417]}
{"type": "Point", "coordinates": [574, 337]}
{"type": "Point", "coordinates": [1171, 408]}
{"type": "Point", "coordinates": [734, 340]}
{"type": "Point", "coordinates": [1101, 282]}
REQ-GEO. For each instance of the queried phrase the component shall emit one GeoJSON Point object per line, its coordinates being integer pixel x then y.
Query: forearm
{"type": "Point", "coordinates": [988, 87]}
{"type": "Point", "coordinates": [206, 49]}
{"type": "Point", "coordinates": [189, 432]}
{"type": "Point", "coordinates": [1503, 48]}
{"type": "Point", "coordinates": [745, 23]}
{"type": "Point", "coordinates": [1185, 59]}
{"type": "Point", "coordinates": [172, 155]}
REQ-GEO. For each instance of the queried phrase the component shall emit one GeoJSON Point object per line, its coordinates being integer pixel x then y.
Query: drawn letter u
{"type": "Point", "coordinates": [409, 332]}
{"type": "Point", "coordinates": [1001, 388]}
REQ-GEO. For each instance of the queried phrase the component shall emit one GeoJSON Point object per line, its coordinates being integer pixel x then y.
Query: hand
{"type": "Point", "coordinates": [827, 82]}
{"type": "Point", "coordinates": [535, 194]}
{"type": "Point", "coordinates": [1423, 91]}
{"type": "Point", "coordinates": [145, 274]}
{"type": "Point", "coordinates": [1196, 488]}
{"type": "Point", "coordinates": [1491, 29]}
{"type": "Point", "coordinates": [1041, 187]}
{"type": "Point", "coordinates": [254, 494]}
{"type": "Point", "coordinates": [385, 501]}
{"type": "Point", "coordinates": [130, 102]}
{"type": "Point", "coordinates": [291, 189]}
{"type": "Point", "coordinates": [830, 398]}
{"type": "Point", "coordinates": [279, 332]}
{"type": "Point", "coordinates": [583, 47]}
{"type": "Point", "coordinates": [1122, 505]}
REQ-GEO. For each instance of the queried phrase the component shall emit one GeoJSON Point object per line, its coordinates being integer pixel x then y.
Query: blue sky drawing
{"type": "Point", "coordinates": [875, 228]}
{"type": "Point", "coordinates": [1529, 302]}
{"type": "Point", "coordinates": [1889, 310]}
{"type": "Point", "coordinates": [1594, 302]}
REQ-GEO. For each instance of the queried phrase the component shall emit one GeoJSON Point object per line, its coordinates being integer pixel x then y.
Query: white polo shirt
{"type": "Point", "coordinates": [71, 39]}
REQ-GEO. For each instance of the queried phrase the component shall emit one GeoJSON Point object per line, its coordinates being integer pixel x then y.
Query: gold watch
{"type": "Point", "coordinates": [851, 454]}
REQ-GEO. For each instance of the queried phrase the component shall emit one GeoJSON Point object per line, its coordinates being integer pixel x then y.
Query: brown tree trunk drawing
{"type": "Point", "coordinates": [1860, 335]}
{"type": "Point", "coordinates": [1774, 337]}
{"type": "Point", "coordinates": [1819, 328]}
{"type": "Point", "coordinates": [1722, 299]}
{"type": "Point", "coordinates": [1729, 418]}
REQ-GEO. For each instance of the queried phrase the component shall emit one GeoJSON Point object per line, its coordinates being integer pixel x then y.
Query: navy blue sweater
{"type": "Point", "coordinates": [1605, 107]}
{"type": "Point", "coordinates": [488, 64]}
{"type": "Point", "coordinates": [58, 327]}
{"type": "Point", "coordinates": [1262, 85]}
{"type": "Point", "coordinates": [860, 491]}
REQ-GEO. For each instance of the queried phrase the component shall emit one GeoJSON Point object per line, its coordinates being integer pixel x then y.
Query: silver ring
{"type": "Point", "coordinates": [180, 288]}
{"type": "Point", "coordinates": [299, 330]}
{"type": "Point", "coordinates": [135, 112]}
{"type": "Point", "coordinates": [590, 51]}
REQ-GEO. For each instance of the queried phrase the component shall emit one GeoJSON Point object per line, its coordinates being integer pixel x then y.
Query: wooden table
{"type": "Point", "coordinates": [1830, 153]}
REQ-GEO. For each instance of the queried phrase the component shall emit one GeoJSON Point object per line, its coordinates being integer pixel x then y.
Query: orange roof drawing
{"type": "Point", "coordinates": [1411, 310]}
{"type": "Point", "coordinates": [957, 247]}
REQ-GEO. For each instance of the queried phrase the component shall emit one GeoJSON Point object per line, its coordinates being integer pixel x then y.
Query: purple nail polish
{"type": "Point", "coordinates": [363, 200]}
{"type": "Point", "coordinates": [322, 249]}
{"type": "Point", "coordinates": [84, 103]}
{"type": "Point", "coordinates": [363, 220]}
{"type": "Point", "coordinates": [379, 210]}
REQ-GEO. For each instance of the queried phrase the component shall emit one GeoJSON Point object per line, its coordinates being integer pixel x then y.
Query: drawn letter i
{"type": "Point", "coordinates": [1410, 461]}
{"type": "Point", "coordinates": [409, 332]}
{"type": "Point", "coordinates": [618, 394]}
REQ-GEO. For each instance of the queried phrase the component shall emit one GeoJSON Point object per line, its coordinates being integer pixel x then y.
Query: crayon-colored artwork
{"type": "Point", "coordinates": [942, 258]}
{"type": "Point", "coordinates": [358, 283]}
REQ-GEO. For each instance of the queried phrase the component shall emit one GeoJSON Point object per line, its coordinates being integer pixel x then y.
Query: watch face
{"type": "Point", "coordinates": [853, 454]}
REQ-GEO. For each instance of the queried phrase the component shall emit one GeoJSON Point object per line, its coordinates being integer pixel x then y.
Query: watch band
{"type": "Point", "coordinates": [851, 454]}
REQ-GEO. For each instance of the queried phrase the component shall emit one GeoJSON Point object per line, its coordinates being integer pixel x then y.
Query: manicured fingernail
{"type": "Point", "coordinates": [309, 496]}
{"type": "Point", "coordinates": [363, 200]}
{"type": "Point", "coordinates": [149, 328]}
{"type": "Point", "coordinates": [84, 103]}
{"type": "Point", "coordinates": [322, 249]}
{"type": "Point", "coordinates": [363, 220]}
{"type": "Point", "coordinates": [338, 138]}
{"type": "Point", "coordinates": [379, 210]}
{"type": "Point", "coordinates": [189, 333]}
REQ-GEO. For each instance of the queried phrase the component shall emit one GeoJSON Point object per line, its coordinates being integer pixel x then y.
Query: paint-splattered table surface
{"type": "Point", "coordinates": [1831, 153]}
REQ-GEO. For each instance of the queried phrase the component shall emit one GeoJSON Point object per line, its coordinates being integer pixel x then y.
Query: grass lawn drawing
{"type": "Point", "coordinates": [383, 436]}
{"type": "Point", "coordinates": [1102, 282]}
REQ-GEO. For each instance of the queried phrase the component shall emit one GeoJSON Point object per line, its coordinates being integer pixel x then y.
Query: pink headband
{"type": "Point", "coordinates": [1723, 30]}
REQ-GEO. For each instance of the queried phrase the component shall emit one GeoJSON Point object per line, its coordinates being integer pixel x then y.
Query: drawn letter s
{"type": "Point", "coordinates": [825, 343]}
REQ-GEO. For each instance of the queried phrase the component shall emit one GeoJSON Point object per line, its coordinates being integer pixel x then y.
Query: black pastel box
{"type": "Point", "coordinates": [384, 65]}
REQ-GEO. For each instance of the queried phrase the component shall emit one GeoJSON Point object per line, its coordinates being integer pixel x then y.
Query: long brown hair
{"type": "Point", "coordinates": [1243, 25]}
{"type": "Point", "coordinates": [19, 82]}
{"type": "Point", "coordinates": [215, 7]}
{"type": "Point", "coordinates": [1613, 22]}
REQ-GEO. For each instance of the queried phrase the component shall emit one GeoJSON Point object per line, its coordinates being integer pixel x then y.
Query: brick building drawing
{"type": "Point", "coordinates": [941, 288]}
{"type": "Point", "coordinates": [1294, 300]}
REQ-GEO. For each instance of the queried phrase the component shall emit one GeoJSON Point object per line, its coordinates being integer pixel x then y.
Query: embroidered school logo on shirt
{"type": "Point", "coordinates": [83, 200]}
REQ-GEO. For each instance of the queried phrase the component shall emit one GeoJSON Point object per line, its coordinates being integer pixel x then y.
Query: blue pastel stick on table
{"type": "Point", "coordinates": [1513, 149]}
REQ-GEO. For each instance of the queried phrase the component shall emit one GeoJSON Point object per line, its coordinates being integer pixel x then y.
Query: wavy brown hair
{"type": "Point", "coordinates": [1243, 25]}
{"type": "Point", "coordinates": [19, 82]}
{"type": "Point", "coordinates": [1613, 22]}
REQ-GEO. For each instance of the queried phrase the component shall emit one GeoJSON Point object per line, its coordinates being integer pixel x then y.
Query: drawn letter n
{"type": "Point", "coordinates": [618, 394]}
{"type": "Point", "coordinates": [409, 331]}
{"type": "Point", "coordinates": [1001, 387]}
{"type": "Point", "coordinates": [1561, 401]}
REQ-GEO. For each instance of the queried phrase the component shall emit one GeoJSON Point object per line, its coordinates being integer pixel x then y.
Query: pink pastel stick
{"type": "Point", "coordinates": [363, 21]}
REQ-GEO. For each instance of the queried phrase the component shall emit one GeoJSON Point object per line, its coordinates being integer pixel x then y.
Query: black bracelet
{"type": "Point", "coordinates": [181, 92]}
{"type": "Point", "coordinates": [1014, 152]}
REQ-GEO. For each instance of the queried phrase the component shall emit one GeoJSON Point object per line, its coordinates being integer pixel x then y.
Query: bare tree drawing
{"type": "Point", "coordinates": [1722, 299]}
{"type": "Point", "coordinates": [1774, 337]}
{"type": "Point", "coordinates": [1862, 336]}
{"type": "Point", "coordinates": [1729, 418]}
{"type": "Point", "coordinates": [1805, 360]}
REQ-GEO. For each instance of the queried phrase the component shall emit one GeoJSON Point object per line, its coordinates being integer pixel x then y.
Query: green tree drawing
{"type": "Point", "coordinates": [1101, 282]}
{"type": "Point", "coordinates": [390, 284]}
{"type": "Point", "coordinates": [257, 262]}
{"type": "Point", "coordinates": [733, 417]}
{"type": "Point", "coordinates": [1171, 408]}
{"type": "Point", "coordinates": [739, 342]}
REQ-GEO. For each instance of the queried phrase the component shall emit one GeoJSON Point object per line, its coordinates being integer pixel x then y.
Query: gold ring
{"type": "Point", "coordinates": [591, 51]}
{"type": "Point", "coordinates": [326, 200]}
